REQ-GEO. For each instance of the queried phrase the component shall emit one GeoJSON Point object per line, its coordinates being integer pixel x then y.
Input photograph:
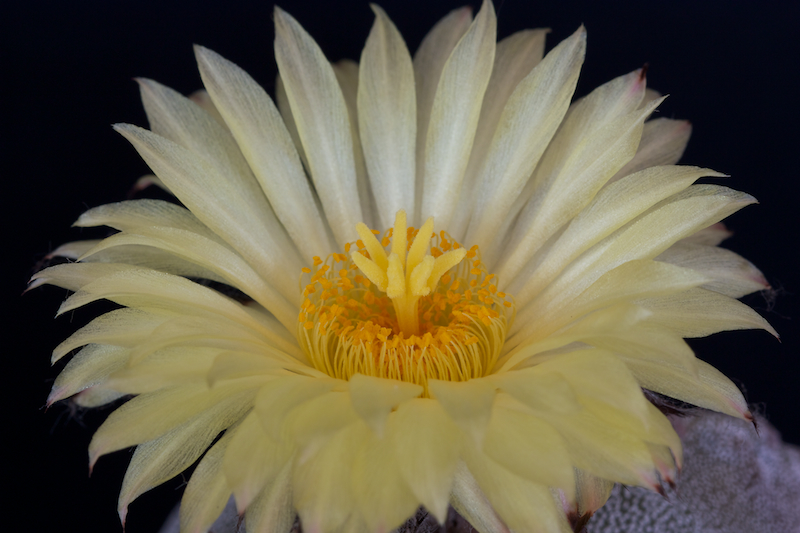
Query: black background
{"type": "Point", "coordinates": [730, 67]}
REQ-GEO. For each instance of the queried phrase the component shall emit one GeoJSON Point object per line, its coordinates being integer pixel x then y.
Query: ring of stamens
{"type": "Point", "coordinates": [410, 314]}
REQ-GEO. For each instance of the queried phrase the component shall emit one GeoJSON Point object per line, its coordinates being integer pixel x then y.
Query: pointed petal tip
{"type": "Point", "coordinates": [122, 511]}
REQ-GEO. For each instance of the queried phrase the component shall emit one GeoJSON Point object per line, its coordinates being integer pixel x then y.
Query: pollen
{"type": "Point", "coordinates": [408, 304]}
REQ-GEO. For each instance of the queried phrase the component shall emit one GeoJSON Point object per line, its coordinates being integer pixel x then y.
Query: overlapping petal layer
{"type": "Point", "coordinates": [608, 249]}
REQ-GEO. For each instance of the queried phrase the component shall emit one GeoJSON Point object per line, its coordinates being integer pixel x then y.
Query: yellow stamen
{"type": "Point", "coordinates": [394, 318]}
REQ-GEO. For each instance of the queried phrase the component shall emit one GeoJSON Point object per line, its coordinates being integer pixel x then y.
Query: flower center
{"type": "Point", "coordinates": [411, 306]}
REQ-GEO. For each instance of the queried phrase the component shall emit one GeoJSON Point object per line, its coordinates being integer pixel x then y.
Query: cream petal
{"type": "Point", "coordinates": [207, 492]}
{"type": "Point", "coordinates": [709, 388]}
{"type": "Point", "coordinates": [454, 117]}
{"type": "Point", "coordinates": [604, 450]}
{"type": "Point", "coordinates": [534, 348]}
{"type": "Point", "coordinates": [468, 403]}
{"type": "Point", "coordinates": [649, 341]}
{"type": "Point", "coordinates": [134, 214]}
{"type": "Point", "coordinates": [72, 276]}
{"type": "Point", "coordinates": [252, 461]}
{"type": "Point", "coordinates": [161, 459]}
{"type": "Point", "coordinates": [285, 109]}
{"type": "Point", "coordinates": [600, 376]}
{"type": "Point", "coordinates": [323, 501]}
{"type": "Point", "coordinates": [73, 250]}
{"type": "Point", "coordinates": [471, 502]}
{"type": "Point", "coordinates": [530, 448]}
{"type": "Point", "coordinates": [149, 416]}
{"type": "Point", "coordinates": [591, 492]}
{"type": "Point", "coordinates": [700, 312]}
{"type": "Point", "coordinates": [522, 505]}
{"type": "Point", "coordinates": [733, 275]}
{"type": "Point", "coordinates": [272, 510]}
{"type": "Point", "coordinates": [710, 236]}
{"type": "Point", "coordinates": [151, 258]}
{"type": "Point", "coordinates": [268, 148]}
{"type": "Point", "coordinates": [663, 142]}
{"type": "Point", "coordinates": [175, 117]}
{"type": "Point", "coordinates": [277, 398]}
{"type": "Point", "coordinates": [387, 119]}
{"type": "Point", "coordinates": [429, 62]}
{"type": "Point", "coordinates": [90, 366]}
{"type": "Point", "coordinates": [639, 278]}
{"type": "Point", "coordinates": [225, 264]}
{"type": "Point", "coordinates": [316, 420]}
{"type": "Point", "coordinates": [383, 498]}
{"type": "Point", "coordinates": [168, 367]}
{"type": "Point", "coordinates": [527, 124]}
{"type": "Point", "coordinates": [237, 212]}
{"type": "Point", "coordinates": [322, 121]}
{"type": "Point", "coordinates": [232, 365]}
{"type": "Point", "coordinates": [139, 287]}
{"type": "Point", "coordinates": [613, 207]}
{"type": "Point", "coordinates": [96, 396]}
{"type": "Point", "coordinates": [646, 236]}
{"type": "Point", "coordinates": [515, 57]}
{"type": "Point", "coordinates": [346, 72]}
{"type": "Point", "coordinates": [426, 450]}
{"type": "Point", "coordinates": [121, 327]}
{"type": "Point", "coordinates": [374, 398]}
{"type": "Point", "coordinates": [203, 99]}
{"type": "Point", "coordinates": [588, 168]}
{"type": "Point", "coordinates": [583, 120]}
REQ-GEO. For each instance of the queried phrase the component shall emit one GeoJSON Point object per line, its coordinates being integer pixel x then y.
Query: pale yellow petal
{"type": "Point", "coordinates": [663, 142]}
{"type": "Point", "coordinates": [252, 461]}
{"type": "Point", "coordinates": [530, 448]}
{"type": "Point", "coordinates": [592, 492]}
{"type": "Point", "coordinates": [521, 504]}
{"type": "Point", "coordinates": [207, 491]}
{"type": "Point", "coordinates": [227, 265]}
{"type": "Point", "coordinates": [733, 275]}
{"type": "Point", "coordinates": [268, 148]}
{"type": "Point", "coordinates": [613, 207]}
{"type": "Point", "coordinates": [161, 459]}
{"type": "Point", "coordinates": [429, 61]}
{"type": "Point", "coordinates": [203, 99]}
{"type": "Point", "coordinates": [387, 118]}
{"type": "Point", "coordinates": [700, 312]}
{"type": "Point", "coordinates": [582, 175]}
{"type": "Point", "coordinates": [426, 446]}
{"type": "Point", "coordinates": [454, 117]}
{"type": "Point", "coordinates": [374, 398]}
{"type": "Point", "coordinates": [471, 502]}
{"type": "Point", "coordinates": [346, 71]}
{"type": "Point", "coordinates": [708, 388]}
{"type": "Point", "coordinates": [73, 250]}
{"type": "Point", "coordinates": [315, 421]}
{"type": "Point", "coordinates": [383, 498]}
{"type": "Point", "coordinates": [613, 321]}
{"type": "Point", "coordinates": [90, 366]}
{"type": "Point", "coordinates": [237, 212]}
{"type": "Point", "coordinates": [272, 510]}
{"type": "Point", "coordinates": [515, 57]}
{"type": "Point", "coordinates": [646, 236]}
{"type": "Point", "coordinates": [149, 416]}
{"type": "Point", "coordinates": [527, 124]}
{"type": "Point", "coordinates": [122, 327]}
{"type": "Point", "coordinates": [468, 403]}
{"type": "Point", "coordinates": [322, 121]}
{"type": "Point", "coordinates": [276, 398]}
{"type": "Point", "coordinates": [322, 499]}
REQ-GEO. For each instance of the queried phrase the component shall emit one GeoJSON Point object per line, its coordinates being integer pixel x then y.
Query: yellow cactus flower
{"type": "Point", "coordinates": [452, 282]}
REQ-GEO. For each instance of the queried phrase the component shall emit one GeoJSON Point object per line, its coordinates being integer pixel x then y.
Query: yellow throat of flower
{"type": "Point", "coordinates": [426, 308]}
